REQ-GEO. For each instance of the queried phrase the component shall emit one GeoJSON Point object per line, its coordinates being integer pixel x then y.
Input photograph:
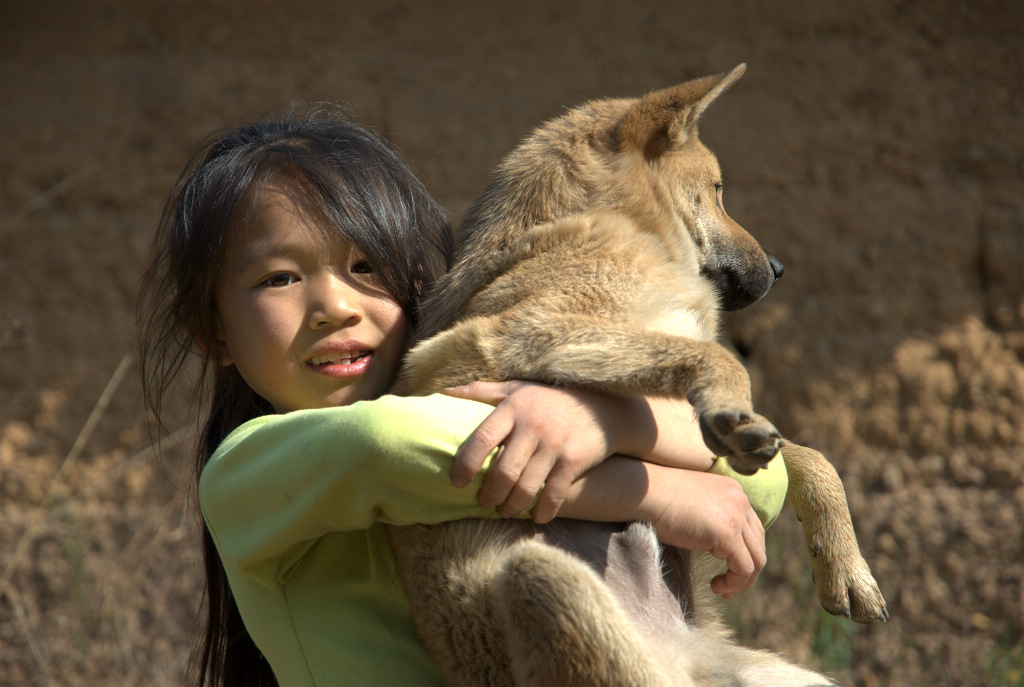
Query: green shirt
{"type": "Point", "coordinates": [297, 505]}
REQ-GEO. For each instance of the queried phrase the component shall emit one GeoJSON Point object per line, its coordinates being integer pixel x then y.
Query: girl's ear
{"type": "Point", "coordinates": [220, 353]}
{"type": "Point", "coordinates": [217, 350]}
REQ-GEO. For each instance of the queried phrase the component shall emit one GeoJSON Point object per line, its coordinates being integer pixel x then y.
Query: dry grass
{"type": "Point", "coordinates": [99, 582]}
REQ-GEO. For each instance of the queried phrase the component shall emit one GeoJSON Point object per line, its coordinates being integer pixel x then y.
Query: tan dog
{"type": "Point", "coordinates": [603, 238]}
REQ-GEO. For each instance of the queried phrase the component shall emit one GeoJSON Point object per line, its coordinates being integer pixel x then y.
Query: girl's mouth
{"type": "Point", "coordinates": [339, 358]}
{"type": "Point", "coordinates": [341, 364]}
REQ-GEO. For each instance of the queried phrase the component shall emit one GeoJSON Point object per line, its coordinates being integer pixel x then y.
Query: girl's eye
{"type": "Point", "coordinates": [279, 280]}
{"type": "Point", "coordinates": [362, 267]}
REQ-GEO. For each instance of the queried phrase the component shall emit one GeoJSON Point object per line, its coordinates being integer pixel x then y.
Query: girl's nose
{"type": "Point", "coordinates": [335, 305]}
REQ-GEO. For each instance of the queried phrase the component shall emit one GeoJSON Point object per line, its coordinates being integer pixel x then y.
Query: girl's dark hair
{"type": "Point", "coordinates": [360, 189]}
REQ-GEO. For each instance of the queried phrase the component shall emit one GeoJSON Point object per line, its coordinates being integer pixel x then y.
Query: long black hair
{"type": "Point", "coordinates": [360, 189]}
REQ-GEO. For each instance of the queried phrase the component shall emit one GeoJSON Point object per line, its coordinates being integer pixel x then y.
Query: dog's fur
{"type": "Point", "coordinates": [599, 257]}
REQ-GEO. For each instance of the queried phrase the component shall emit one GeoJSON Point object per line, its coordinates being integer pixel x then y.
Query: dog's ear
{"type": "Point", "coordinates": [668, 117]}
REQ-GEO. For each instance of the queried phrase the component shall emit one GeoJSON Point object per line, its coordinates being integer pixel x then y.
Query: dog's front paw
{"type": "Point", "coordinates": [846, 586]}
{"type": "Point", "coordinates": [747, 440]}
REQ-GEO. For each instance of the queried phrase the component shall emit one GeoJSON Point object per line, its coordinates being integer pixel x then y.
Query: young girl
{"type": "Point", "coordinates": [289, 262]}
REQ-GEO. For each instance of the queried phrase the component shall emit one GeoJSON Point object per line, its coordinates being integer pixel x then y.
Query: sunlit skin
{"type": "Point", "coordinates": [301, 314]}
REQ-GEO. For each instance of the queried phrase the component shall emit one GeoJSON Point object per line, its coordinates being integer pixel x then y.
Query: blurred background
{"type": "Point", "coordinates": [876, 148]}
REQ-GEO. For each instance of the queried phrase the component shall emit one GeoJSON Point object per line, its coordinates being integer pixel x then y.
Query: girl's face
{"type": "Point", "coordinates": [301, 314]}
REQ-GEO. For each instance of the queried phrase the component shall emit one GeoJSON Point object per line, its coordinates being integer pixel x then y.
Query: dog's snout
{"type": "Point", "coordinates": [777, 267]}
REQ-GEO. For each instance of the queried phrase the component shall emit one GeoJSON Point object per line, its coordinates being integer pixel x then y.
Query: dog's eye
{"type": "Point", "coordinates": [718, 195]}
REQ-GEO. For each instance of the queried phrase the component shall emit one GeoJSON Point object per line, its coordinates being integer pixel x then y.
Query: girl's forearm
{"type": "Point", "coordinates": [661, 430]}
{"type": "Point", "coordinates": [617, 490]}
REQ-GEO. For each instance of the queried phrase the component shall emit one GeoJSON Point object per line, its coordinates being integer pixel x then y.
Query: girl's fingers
{"type": "Point", "coordinates": [506, 470]}
{"type": "Point", "coordinates": [540, 430]}
{"type": "Point", "coordinates": [491, 393]}
{"type": "Point", "coordinates": [745, 564]}
{"type": "Point", "coordinates": [555, 490]}
{"type": "Point", "coordinates": [531, 480]}
{"type": "Point", "coordinates": [756, 544]}
{"type": "Point", "coordinates": [737, 577]}
{"type": "Point", "coordinates": [485, 438]}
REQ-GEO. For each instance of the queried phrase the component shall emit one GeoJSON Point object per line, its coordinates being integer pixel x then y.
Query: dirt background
{"type": "Point", "coordinates": [875, 147]}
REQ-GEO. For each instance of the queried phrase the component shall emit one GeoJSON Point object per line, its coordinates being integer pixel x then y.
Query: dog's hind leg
{"type": "Point", "coordinates": [564, 627]}
{"type": "Point", "coordinates": [763, 669]}
{"type": "Point", "coordinates": [447, 580]}
{"type": "Point", "coordinates": [842, 577]}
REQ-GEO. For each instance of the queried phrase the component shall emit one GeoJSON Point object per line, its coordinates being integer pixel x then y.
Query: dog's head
{"type": "Point", "coordinates": [641, 154]}
{"type": "Point", "coordinates": [661, 129]}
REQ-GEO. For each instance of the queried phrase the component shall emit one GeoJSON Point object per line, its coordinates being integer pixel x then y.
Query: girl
{"type": "Point", "coordinates": [291, 257]}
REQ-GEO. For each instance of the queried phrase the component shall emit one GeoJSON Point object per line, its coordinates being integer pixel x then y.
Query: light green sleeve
{"type": "Point", "coordinates": [280, 482]}
{"type": "Point", "coordinates": [765, 489]}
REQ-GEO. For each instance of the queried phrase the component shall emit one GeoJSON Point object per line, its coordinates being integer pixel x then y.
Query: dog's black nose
{"type": "Point", "coordinates": [777, 267]}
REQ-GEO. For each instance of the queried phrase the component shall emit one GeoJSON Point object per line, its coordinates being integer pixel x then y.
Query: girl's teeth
{"type": "Point", "coordinates": [340, 359]}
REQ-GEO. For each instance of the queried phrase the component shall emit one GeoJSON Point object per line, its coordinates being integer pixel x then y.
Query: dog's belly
{"type": "Point", "coordinates": [652, 583]}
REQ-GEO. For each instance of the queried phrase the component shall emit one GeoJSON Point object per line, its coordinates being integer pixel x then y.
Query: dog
{"type": "Point", "coordinates": [601, 237]}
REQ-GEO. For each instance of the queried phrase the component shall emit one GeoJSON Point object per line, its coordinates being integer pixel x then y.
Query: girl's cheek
{"type": "Point", "coordinates": [274, 316]}
{"type": "Point", "coordinates": [399, 329]}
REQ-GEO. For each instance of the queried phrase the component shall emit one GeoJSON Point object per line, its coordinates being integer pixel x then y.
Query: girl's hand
{"type": "Point", "coordinates": [706, 512]}
{"type": "Point", "coordinates": [548, 437]}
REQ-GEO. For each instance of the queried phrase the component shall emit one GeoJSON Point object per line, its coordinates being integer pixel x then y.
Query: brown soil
{"type": "Point", "coordinates": [875, 148]}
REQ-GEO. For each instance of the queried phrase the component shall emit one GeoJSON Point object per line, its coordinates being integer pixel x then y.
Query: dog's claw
{"type": "Point", "coordinates": [748, 440]}
{"type": "Point", "coordinates": [847, 588]}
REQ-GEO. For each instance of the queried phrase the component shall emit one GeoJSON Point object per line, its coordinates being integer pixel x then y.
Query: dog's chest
{"type": "Point", "coordinates": [672, 299]}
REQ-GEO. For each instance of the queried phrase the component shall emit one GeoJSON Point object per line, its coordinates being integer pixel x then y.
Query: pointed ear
{"type": "Point", "coordinates": [715, 86]}
{"type": "Point", "coordinates": [668, 117]}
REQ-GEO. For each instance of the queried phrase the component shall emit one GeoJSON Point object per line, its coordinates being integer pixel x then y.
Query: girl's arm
{"type": "Point", "coordinates": [557, 441]}
{"type": "Point", "coordinates": [551, 436]}
{"type": "Point", "coordinates": [279, 483]}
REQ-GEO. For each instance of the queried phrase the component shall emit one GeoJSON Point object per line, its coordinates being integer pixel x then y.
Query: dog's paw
{"type": "Point", "coordinates": [747, 440]}
{"type": "Point", "coordinates": [846, 587]}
